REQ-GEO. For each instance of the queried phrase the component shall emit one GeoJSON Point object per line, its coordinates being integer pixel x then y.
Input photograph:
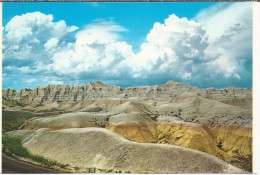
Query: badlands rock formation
{"type": "Point", "coordinates": [60, 93]}
{"type": "Point", "coordinates": [102, 149]}
{"type": "Point", "coordinates": [214, 121]}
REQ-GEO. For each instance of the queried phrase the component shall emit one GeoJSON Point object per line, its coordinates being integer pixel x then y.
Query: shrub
{"type": "Point", "coordinates": [44, 161]}
{"type": "Point", "coordinates": [13, 145]}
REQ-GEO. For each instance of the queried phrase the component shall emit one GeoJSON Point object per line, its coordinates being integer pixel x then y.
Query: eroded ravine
{"type": "Point", "coordinates": [227, 142]}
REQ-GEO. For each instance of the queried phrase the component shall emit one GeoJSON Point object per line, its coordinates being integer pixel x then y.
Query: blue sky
{"type": "Point", "coordinates": [127, 44]}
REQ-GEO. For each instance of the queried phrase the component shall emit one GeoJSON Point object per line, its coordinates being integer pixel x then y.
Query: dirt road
{"type": "Point", "coordinates": [10, 165]}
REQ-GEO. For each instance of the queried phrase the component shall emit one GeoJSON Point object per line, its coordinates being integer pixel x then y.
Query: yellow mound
{"type": "Point", "coordinates": [103, 149]}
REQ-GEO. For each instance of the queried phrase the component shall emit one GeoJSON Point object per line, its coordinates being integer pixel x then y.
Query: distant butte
{"type": "Point", "coordinates": [101, 90]}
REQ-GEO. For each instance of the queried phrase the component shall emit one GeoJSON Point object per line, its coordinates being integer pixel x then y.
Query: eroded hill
{"type": "Point", "coordinates": [102, 149]}
{"type": "Point", "coordinates": [41, 96]}
{"type": "Point", "coordinates": [214, 121]}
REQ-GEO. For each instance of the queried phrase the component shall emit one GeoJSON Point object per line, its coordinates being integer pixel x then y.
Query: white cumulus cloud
{"type": "Point", "coordinates": [26, 35]}
{"type": "Point", "coordinates": [96, 49]}
{"type": "Point", "coordinates": [35, 27]}
{"type": "Point", "coordinates": [171, 48]}
{"type": "Point", "coordinates": [229, 27]}
{"type": "Point", "coordinates": [215, 45]}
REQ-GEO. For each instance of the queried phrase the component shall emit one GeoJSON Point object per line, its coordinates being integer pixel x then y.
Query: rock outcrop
{"type": "Point", "coordinates": [99, 90]}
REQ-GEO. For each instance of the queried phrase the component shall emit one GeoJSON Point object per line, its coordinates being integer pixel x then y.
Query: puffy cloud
{"type": "Point", "coordinates": [171, 49]}
{"type": "Point", "coordinates": [218, 18]}
{"type": "Point", "coordinates": [175, 48]}
{"type": "Point", "coordinates": [26, 35]}
{"type": "Point", "coordinates": [29, 41]}
{"type": "Point", "coordinates": [34, 28]}
{"type": "Point", "coordinates": [215, 45]}
{"type": "Point", "coordinates": [231, 40]}
{"type": "Point", "coordinates": [96, 49]}
{"type": "Point", "coordinates": [99, 32]}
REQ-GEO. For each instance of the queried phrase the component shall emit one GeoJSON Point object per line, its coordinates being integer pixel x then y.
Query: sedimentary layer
{"type": "Point", "coordinates": [99, 90]}
{"type": "Point", "coordinates": [103, 149]}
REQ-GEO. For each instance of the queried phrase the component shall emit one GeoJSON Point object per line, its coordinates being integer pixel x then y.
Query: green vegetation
{"type": "Point", "coordinates": [12, 120]}
{"type": "Point", "coordinates": [13, 146]}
